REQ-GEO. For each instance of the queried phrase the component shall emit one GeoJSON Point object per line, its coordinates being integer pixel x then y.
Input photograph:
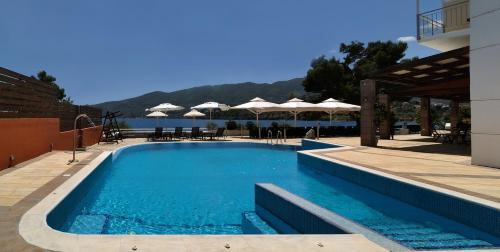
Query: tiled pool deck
{"type": "Point", "coordinates": [411, 157]}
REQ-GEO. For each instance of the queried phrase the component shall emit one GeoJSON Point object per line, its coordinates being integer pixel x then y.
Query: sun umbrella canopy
{"type": "Point", "coordinates": [258, 105]}
{"type": "Point", "coordinates": [336, 106]}
{"type": "Point", "coordinates": [332, 106]}
{"type": "Point", "coordinates": [194, 113]}
{"type": "Point", "coordinates": [157, 114]}
{"type": "Point", "coordinates": [298, 105]}
{"type": "Point", "coordinates": [295, 106]}
{"type": "Point", "coordinates": [212, 106]}
{"type": "Point", "coordinates": [165, 107]}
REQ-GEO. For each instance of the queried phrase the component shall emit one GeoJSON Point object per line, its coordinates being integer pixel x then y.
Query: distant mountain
{"type": "Point", "coordinates": [231, 94]}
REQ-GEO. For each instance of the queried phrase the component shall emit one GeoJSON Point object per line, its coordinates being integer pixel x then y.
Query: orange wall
{"type": "Point", "coordinates": [26, 138]}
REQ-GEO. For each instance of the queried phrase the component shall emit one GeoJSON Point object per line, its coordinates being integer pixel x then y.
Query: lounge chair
{"type": "Point", "coordinates": [178, 133]}
{"type": "Point", "coordinates": [214, 135]}
{"type": "Point", "coordinates": [440, 134]}
{"type": "Point", "coordinates": [157, 135]}
{"type": "Point", "coordinates": [195, 133]}
{"type": "Point", "coordinates": [220, 133]}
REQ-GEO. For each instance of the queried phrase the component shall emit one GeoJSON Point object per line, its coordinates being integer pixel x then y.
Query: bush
{"type": "Point", "coordinates": [231, 125]}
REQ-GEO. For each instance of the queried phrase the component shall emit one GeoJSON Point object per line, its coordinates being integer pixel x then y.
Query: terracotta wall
{"type": "Point", "coordinates": [26, 138]}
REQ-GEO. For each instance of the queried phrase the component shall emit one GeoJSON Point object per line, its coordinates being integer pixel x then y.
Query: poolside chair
{"type": "Point", "coordinates": [437, 133]}
{"type": "Point", "coordinates": [157, 135]}
{"type": "Point", "coordinates": [195, 133]}
{"type": "Point", "coordinates": [178, 133]}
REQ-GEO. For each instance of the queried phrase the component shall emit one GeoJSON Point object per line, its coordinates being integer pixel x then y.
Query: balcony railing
{"type": "Point", "coordinates": [449, 18]}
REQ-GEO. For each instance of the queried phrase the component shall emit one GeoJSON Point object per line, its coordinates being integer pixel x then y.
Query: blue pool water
{"type": "Point", "coordinates": [203, 188]}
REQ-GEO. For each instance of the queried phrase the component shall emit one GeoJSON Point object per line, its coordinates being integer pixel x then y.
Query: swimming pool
{"type": "Point", "coordinates": [203, 188]}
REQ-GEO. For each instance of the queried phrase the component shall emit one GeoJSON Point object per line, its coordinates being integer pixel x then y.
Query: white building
{"type": "Point", "coordinates": [474, 23]}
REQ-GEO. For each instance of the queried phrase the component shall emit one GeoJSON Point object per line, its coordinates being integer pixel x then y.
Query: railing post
{"type": "Point", "coordinates": [418, 19]}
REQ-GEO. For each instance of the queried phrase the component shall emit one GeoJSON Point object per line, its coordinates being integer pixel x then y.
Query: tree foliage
{"type": "Point", "coordinates": [47, 78]}
{"type": "Point", "coordinates": [339, 78]}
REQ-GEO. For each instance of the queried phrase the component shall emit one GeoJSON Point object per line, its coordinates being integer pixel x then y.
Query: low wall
{"type": "Point", "coordinates": [26, 138]}
{"type": "Point", "coordinates": [85, 137]}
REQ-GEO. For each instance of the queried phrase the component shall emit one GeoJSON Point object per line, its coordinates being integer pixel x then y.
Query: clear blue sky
{"type": "Point", "coordinates": [110, 50]}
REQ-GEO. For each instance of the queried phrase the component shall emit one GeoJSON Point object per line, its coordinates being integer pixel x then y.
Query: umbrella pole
{"type": "Point", "coordinates": [258, 126]}
{"type": "Point", "coordinates": [330, 118]}
{"type": "Point", "coordinates": [295, 118]}
{"type": "Point", "coordinates": [284, 129]}
{"type": "Point", "coordinates": [210, 111]}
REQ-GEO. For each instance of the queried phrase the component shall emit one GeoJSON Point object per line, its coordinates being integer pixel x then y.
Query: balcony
{"type": "Point", "coordinates": [445, 28]}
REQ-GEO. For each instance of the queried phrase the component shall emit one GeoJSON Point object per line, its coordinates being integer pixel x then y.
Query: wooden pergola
{"type": "Point", "coordinates": [444, 76]}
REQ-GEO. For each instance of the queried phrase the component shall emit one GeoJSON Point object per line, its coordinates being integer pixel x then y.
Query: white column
{"type": "Point", "coordinates": [485, 81]}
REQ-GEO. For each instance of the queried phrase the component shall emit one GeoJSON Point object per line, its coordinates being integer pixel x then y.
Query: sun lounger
{"type": "Point", "coordinates": [178, 133]}
{"type": "Point", "coordinates": [157, 135]}
{"type": "Point", "coordinates": [195, 133]}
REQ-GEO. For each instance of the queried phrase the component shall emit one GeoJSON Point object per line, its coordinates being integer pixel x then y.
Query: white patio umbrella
{"type": "Point", "coordinates": [296, 106]}
{"type": "Point", "coordinates": [211, 106]}
{"type": "Point", "coordinates": [258, 106]}
{"type": "Point", "coordinates": [157, 114]}
{"type": "Point", "coordinates": [193, 114]}
{"type": "Point", "coordinates": [332, 106]}
{"type": "Point", "coordinates": [165, 107]}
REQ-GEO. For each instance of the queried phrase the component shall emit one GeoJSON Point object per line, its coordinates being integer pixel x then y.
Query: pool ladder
{"type": "Point", "coordinates": [279, 137]}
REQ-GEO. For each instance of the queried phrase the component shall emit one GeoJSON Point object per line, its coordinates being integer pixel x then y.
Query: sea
{"type": "Point", "coordinates": [138, 123]}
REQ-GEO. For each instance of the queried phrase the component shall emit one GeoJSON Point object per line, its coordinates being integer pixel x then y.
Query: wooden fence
{"type": "Point", "coordinates": [26, 97]}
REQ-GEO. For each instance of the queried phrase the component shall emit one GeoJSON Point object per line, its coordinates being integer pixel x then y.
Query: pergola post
{"type": "Point", "coordinates": [425, 116]}
{"type": "Point", "coordinates": [385, 124]}
{"type": "Point", "coordinates": [367, 120]}
{"type": "Point", "coordinates": [454, 108]}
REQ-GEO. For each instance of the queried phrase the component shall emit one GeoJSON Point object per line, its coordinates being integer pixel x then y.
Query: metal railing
{"type": "Point", "coordinates": [269, 137]}
{"type": "Point", "coordinates": [446, 19]}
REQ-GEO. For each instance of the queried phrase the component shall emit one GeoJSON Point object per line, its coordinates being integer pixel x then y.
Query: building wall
{"type": "Point", "coordinates": [27, 138]}
{"type": "Point", "coordinates": [485, 81]}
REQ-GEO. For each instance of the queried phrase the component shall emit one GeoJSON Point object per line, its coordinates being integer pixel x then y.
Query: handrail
{"type": "Point", "coordinates": [279, 136]}
{"type": "Point", "coordinates": [269, 136]}
{"type": "Point", "coordinates": [74, 133]}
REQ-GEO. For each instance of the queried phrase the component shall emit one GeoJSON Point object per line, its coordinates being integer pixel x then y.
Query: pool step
{"type": "Point", "coordinates": [422, 238]}
{"type": "Point", "coordinates": [425, 238]}
{"type": "Point", "coordinates": [251, 223]}
{"type": "Point", "coordinates": [88, 224]}
{"type": "Point", "coordinates": [449, 244]}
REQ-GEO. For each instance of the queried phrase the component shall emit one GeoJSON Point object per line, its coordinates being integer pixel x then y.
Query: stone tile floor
{"type": "Point", "coordinates": [419, 158]}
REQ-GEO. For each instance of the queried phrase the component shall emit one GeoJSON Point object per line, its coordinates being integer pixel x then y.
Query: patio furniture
{"type": "Point", "coordinates": [220, 133]}
{"type": "Point", "coordinates": [178, 134]}
{"type": "Point", "coordinates": [157, 135]}
{"type": "Point", "coordinates": [459, 133]}
{"type": "Point", "coordinates": [195, 133]}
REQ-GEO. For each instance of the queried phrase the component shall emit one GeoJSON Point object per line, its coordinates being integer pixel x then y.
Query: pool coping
{"type": "Point", "coordinates": [318, 154]}
{"type": "Point", "coordinates": [33, 228]}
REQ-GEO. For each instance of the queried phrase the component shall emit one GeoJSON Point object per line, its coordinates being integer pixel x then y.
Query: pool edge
{"type": "Point", "coordinates": [33, 228]}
